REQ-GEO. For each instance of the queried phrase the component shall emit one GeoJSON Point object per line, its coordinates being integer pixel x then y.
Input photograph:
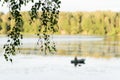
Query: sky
{"type": "Point", "coordinates": [90, 5]}
{"type": "Point", "coordinates": [82, 5]}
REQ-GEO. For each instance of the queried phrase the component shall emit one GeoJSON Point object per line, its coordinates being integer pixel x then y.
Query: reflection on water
{"type": "Point", "coordinates": [76, 45]}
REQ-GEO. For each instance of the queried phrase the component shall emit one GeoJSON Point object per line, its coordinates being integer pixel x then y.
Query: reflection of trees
{"type": "Point", "coordinates": [104, 48]}
{"type": "Point", "coordinates": [115, 45]}
{"type": "Point", "coordinates": [74, 48]}
{"type": "Point", "coordinates": [107, 47]}
{"type": "Point", "coordinates": [112, 46]}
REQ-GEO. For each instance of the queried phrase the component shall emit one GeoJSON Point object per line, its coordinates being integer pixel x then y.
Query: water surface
{"type": "Point", "coordinates": [74, 45]}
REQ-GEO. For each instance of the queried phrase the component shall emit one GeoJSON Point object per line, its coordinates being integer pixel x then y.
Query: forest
{"type": "Point", "coordinates": [71, 23]}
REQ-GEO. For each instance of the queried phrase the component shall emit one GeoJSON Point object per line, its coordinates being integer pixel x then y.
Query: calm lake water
{"type": "Point", "coordinates": [74, 45]}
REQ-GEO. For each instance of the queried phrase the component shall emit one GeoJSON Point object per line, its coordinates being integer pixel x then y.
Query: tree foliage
{"type": "Point", "coordinates": [48, 19]}
{"type": "Point", "coordinates": [90, 23]}
{"type": "Point", "coordinates": [74, 23]}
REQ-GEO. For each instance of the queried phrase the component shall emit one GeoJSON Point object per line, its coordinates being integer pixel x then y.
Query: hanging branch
{"type": "Point", "coordinates": [15, 35]}
{"type": "Point", "coordinates": [48, 20]}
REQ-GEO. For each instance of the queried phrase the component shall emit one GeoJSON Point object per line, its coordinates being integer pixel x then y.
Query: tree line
{"type": "Point", "coordinates": [71, 23]}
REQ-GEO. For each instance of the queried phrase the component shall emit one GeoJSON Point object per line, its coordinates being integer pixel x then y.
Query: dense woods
{"type": "Point", "coordinates": [86, 23]}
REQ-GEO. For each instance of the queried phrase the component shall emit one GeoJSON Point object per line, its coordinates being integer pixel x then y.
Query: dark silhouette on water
{"type": "Point", "coordinates": [77, 61]}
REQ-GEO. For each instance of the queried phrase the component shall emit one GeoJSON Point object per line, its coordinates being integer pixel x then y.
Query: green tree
{"type": "Point", "coordinates": [48, 19]}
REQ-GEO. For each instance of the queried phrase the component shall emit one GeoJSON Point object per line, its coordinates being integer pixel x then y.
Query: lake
{"type": "Point", "coordinates": [34, 67]}
{"type": "Point", "coordinates": [95, 46]}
